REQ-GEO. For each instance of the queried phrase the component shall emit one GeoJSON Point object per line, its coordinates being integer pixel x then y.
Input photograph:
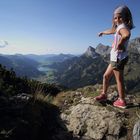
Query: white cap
{"type": "Point", "coordinates": [121, 10]}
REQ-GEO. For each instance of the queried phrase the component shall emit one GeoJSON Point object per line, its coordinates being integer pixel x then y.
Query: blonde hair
{"type": "Point", "coordinates": [125, 12]}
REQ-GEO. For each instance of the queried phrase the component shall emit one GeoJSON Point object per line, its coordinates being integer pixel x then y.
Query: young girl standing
{"type": "Point", "coordinates": [122, 24]}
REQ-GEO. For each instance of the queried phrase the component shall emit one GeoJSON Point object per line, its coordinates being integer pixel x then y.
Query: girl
{"type": "Point", "coordinates": [122, 24]}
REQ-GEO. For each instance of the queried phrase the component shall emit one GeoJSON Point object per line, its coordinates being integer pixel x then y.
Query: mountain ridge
{"type": "Point", "coordinates": [84, 70]}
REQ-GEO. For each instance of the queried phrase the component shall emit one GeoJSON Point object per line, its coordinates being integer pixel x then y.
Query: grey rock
{"type": "Point", "coordinates": [136, 131]}
{"type": "Point", "coordinates": [92, 122]}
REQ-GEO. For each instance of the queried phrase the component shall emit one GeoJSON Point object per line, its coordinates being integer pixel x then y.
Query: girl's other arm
{"type": "Point", "coordinates": [125, 35]}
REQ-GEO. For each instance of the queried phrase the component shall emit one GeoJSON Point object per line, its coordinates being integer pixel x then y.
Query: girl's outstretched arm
{"type": "Point", "coordinates": [107, 32]}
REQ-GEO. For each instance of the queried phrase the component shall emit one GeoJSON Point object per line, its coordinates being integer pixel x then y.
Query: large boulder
{"type": "Point", "coordinates": [90, 121]}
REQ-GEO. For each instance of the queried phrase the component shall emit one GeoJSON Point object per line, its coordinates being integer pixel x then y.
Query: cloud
{"type": "Point", "coordinates": [3, 43]}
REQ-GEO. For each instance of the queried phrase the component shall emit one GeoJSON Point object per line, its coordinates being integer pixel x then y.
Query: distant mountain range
{"type": "Point", "coordinates": [22, 65]}
{"type": "Point", "coordinates": [29, 65]}
{"type": "Point", "coordinates": [80, 71]}
{"type": "Point", "coordinates": [75, 71]}
{"type": "Point", "coordinates": [50, 57]}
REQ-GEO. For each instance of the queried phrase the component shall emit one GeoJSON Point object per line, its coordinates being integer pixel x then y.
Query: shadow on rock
{"type": "Point", "coordinates": [31, 120]}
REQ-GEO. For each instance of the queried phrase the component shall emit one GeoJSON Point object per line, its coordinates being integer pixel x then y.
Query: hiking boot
{"type": "Point", "coordinates": [101, 97]}
{"type": "Point", "coordinates": [120, 103]}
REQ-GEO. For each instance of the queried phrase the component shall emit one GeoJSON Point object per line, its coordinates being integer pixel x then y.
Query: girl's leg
{"type": "Point", "coordinates": [120, 83]}
{"type": "Point", "coordinates": [106, 77]}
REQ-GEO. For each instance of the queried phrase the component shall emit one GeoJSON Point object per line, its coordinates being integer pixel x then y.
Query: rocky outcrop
{"type": "Point", "coordinates": [89, 121]}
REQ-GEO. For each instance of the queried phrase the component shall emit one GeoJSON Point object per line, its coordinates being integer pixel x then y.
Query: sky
{"type": "Point", "coordinates": [58, 26]}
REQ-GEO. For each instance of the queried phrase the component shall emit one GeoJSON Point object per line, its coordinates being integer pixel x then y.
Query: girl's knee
{"type": "Point", "coordinates": [105, 76]}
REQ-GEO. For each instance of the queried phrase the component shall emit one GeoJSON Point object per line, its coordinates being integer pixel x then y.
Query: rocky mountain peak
{"type": "Point", "coordinates": [90, 52]}
{"type": "Point", "coordinates": [91, 48]}
{"type": "Point", "coordinates": [102, 49]}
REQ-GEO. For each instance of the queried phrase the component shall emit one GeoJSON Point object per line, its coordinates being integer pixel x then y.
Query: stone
{"type": "Point", "coordinates": [93, 122]}
{"type": "Point", "coordinates": [136, 131]}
